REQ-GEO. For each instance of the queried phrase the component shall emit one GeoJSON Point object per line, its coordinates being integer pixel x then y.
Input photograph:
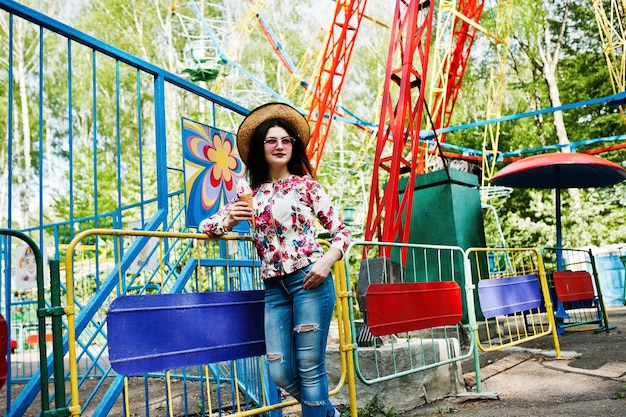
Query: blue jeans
{"type": "Point", "coordinates": [296, 329]}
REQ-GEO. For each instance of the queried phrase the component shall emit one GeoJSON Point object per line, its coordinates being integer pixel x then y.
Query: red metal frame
{"type": "Point", "coordinates": [401, 115]}
{"type": "Point", "coordinates": [402, 110]}
{"type": "Point", "coordinates": [463, 34]}
{"type": "Point", "coordinates": [400, 121]}
{"type": "Point", "coordinates": [338, 50]}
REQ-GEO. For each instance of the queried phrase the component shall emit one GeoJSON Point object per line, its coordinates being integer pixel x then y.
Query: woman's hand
{"type": "Point", "coordinates": [240, 210]}
{"type": "Point", "coordinates": [321, 268]}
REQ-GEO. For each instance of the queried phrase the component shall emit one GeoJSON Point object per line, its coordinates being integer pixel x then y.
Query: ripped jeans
{"type": "Point", "coordinates": [296, 329]}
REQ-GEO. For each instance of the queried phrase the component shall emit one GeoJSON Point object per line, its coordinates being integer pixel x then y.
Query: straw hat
{"type": "Point", "coordinates": [267, 112]}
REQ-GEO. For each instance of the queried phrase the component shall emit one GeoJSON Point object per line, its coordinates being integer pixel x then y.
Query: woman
{"type": "Point", "coordinates": [299, 289]}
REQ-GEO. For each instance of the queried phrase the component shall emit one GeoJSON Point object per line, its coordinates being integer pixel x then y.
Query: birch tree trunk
{"type": "Point", "coordinates": [23, 171]}
{"type": "Point", "coordinates": [549, 55]}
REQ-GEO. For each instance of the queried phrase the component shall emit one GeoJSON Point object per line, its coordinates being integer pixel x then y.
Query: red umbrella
{"type": "Point", "coordinates": [560, 170]}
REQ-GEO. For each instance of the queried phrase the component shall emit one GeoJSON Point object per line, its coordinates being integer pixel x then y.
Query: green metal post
{"type": "Point", "coordinates": [41, 304]}
{"type": "Point", "coordinates": [57, 312]}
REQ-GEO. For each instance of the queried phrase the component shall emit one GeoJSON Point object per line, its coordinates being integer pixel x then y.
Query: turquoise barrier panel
{"type": "Point", "coordinates": [611, 276]}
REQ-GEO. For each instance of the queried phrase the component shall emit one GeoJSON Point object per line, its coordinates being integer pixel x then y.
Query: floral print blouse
{"type": "Point", "coordinates": [284, 233]}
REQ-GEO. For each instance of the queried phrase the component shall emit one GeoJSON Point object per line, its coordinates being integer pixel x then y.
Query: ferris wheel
{"type": "Point", "coordinates": [202, 61]}
{"type": "Point", "coordinates": [213, 41]}
{"type": "Point", "coordinates": [206, 60]}
{"type": "Point", "coordinates": [416, 97]}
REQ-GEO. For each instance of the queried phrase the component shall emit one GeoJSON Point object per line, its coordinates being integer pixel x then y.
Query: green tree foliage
{"type": "Point", "coordinates": [159, 33]}
{"type": "Point", "coordinates": [528, 216]}
{"type": "Point", "coordinates": [31, 147]}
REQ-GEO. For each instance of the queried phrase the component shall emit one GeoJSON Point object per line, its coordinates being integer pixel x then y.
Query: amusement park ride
{"type": "Point", "coordinates": [426, 63]}
{"type": "Point", "coordinates": [428, 54]}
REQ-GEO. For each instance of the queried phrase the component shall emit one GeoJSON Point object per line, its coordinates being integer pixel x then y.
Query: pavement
{"type": "Point", "coordinates": [527, 381]}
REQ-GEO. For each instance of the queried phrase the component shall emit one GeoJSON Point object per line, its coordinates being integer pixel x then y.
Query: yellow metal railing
{"type": "Point", "coordinates": [216, 265]}
{"type": "Point", "coordinates": [515, 305]}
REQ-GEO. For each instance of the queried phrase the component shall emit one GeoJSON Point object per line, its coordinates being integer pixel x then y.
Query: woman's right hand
{"type": "Point", "coordinates": [239, 210]}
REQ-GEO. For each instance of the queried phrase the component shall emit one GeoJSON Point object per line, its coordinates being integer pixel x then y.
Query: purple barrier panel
{"type": "Point", "coordinates": [157, 332]}
{"type": "Point", "coordinates": [502, 296]}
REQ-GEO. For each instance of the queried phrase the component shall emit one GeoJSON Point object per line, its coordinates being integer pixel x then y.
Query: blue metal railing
{"type": "Point", "coordinates": [103, 146]}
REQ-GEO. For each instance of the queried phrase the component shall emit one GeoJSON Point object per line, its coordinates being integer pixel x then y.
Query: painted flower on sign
{"type": "Point", "coordinates": [212, 168]}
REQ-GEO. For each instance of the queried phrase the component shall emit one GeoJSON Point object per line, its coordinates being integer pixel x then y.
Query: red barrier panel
{"type": "Point", "coordinates": [403, 307]}
{"type": "Point", "coordinates": [573, 285]}
{"type": "Point", "coordinates": [4, 337]}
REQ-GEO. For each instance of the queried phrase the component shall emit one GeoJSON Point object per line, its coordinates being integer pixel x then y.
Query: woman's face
{"type": "Point", "coordinates": [278, 147]}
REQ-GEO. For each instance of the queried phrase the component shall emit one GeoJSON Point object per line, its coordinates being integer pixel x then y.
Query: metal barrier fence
{"type": "Point", "coordinates": [413, 304]}
{"type": "Point", "coordinates": [575, 289]}
{"type": "Point", "coordinates": [418, 306]}
{"type": "Point", "coordinates": [93, 261]}
{"type": "Point", "coordinates": [134, 162]}
{"type": "Point", "coordinates": [186, 263]}
{"type": "Point", "coordinates": [136, 159]}
{"type": "Point", "coordinates": [514, 305]}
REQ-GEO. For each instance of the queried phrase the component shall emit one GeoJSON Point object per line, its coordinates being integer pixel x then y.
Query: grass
{"type": "Point", "coordinates": [446, 409]}
{"type": "Point", "coordinates": [374, 408]}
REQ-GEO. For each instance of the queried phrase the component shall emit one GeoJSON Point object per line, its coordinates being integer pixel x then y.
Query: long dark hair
{"type": "Point", "coordinates": [258, 169]}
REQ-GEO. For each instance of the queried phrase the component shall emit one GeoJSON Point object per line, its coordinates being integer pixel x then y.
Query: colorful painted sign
{"type": "Point", "coordinates": [212, 168]}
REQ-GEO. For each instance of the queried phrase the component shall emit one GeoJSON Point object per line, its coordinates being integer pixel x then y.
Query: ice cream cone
{"type": "Point", "coordinates": [248, 199]}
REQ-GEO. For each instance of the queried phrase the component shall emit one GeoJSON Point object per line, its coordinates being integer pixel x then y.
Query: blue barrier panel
{"type": "Point", "coordinates": [160, 332]}
{"type": "Point", "coordinates": [502, 296]}
{"type": "Point", "coordinates": [611, 276]}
